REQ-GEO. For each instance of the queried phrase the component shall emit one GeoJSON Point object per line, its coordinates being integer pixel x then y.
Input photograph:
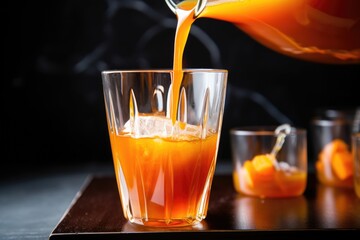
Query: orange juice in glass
{"type": "Point", "coordinates": [164, 163]}
{"type": "Point", "coordinates": [259, 172]}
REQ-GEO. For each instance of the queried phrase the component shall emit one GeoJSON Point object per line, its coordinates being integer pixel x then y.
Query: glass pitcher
{"type": "Point", "coordinates": [325, 31]}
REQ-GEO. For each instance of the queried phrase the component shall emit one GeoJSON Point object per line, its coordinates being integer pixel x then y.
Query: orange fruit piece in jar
{"type": "Point", "coordinates": [264, 164]}
{"type": "Point", "coordinates": [342, 164]}
{"type": "Point", "coordinates": [259, 170]}
{"type": "Point", "coordinates": [337, 145]}
{"type": "Point", "coordinates": [248, 173]}
{"type": "Point", "coordinates": [339, 157]}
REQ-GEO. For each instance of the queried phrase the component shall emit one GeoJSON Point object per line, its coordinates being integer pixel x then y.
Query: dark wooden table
{"type": "Point", "coordinates": [321, 212]}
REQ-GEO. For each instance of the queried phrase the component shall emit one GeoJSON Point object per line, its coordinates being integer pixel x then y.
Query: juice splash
{"type": "Point", "coordinates": [326, 31]}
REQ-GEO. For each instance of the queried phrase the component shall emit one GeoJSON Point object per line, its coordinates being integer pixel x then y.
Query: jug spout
{"type": "Point", "coordinates": [198, 7]}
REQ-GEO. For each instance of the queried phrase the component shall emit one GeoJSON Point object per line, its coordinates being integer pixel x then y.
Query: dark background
{"type": "Point", "coordinates": [52, 109]}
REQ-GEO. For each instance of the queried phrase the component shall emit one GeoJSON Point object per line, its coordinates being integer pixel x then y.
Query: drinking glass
{"type": "Point", "coordinates": [267, 164]}
{"type": "Point", "coordinates": [164, 154]}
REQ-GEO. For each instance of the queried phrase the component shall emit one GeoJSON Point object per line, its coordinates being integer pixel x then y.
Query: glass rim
{"type": "Point", "coordinates": [330, 122]}
{"type": "Point", "coordinates": [166, 70]}
{"type": "Point", "coordinates": [262, 131]}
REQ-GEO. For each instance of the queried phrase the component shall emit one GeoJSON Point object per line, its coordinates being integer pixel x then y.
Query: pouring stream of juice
{"type": "Point", "coordinates": [325, 31]}
{"type": "Point", "coordinates": [185, 19]}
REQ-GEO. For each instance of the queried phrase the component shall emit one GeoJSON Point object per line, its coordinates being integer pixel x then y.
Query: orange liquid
{"type": "Point", "coordinates": [259, 177]}
{"type": "Point", "coordinates": [326, 31]}
{"type": "Point", "coordinates": [165, 178]}
{"type": "Point", "coordinates": [276, 185]}
{"type": "Point", "coordinates": [185, 20]}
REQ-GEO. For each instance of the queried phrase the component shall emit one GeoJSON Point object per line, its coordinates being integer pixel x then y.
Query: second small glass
{"type": "Point", "coordinates": [260, 171]}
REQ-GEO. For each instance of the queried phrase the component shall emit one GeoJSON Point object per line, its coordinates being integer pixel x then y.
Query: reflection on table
{"type": "Point", "coordinates": [274, 213]}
